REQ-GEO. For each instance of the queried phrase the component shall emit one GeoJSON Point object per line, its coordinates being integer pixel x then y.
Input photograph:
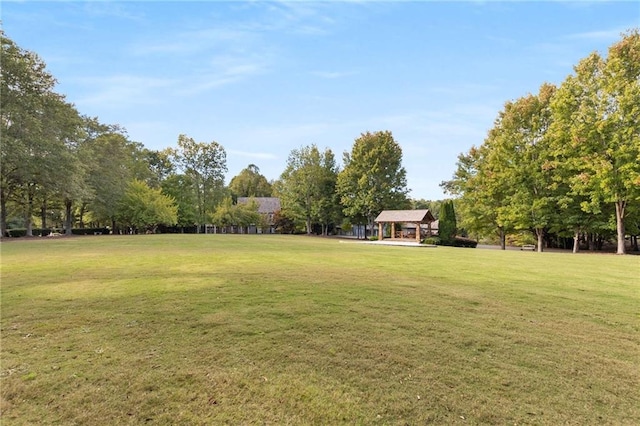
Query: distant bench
{"type": "Point", "coordinates": [528, 247]}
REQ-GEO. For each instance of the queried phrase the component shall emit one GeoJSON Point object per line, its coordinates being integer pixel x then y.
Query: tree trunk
{"type": "Point", "coordinates": [29, 213]}
{"type": "Point", "coordinates": [43, 214]}
{"type": "Point", "coordinates": [540, 235]}
{"type": "Point", "coordinates": [620, 206]}
{"type": "Point", "coordinates": [81, 215]}
{"type": "Point", "coordinates": [68, 220]}
{"type": "Point", "coordinates": [308, 224]}
{"type": "Point", "coordinates": [503, 239]}
{"type": "Point", "coordinates": [3, 214]}
{"type": "Point", "coordinates": [576, 241]}
{"type": "Point", "coordinates": [370, 227]}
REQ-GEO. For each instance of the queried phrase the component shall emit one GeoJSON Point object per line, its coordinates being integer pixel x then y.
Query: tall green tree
{"type": "Point", "coordinates": [482, 192]}
{"type": "Point", "coordinates": [37, 127]}
{"type": "Point", "coordinates": [24, 81]}
{"type": "Point", "coordinates": [373, 178]}
{"type": "Point", "coordinates": [250, 183]}
{"type": "Point", "coordinates": [327, 210]}
{"type": "Point", "coordinates": [525, 160]}
{"type": "Point", "coordinates": [305, 187]}
{"type": "Point", "coordinates": [509, 182]}
{"type": "Point", "coordinates": [447, 225]}
{"type": "Point", "coordinates": [160, 166]}
{"type": "Point", "coordinates": [206, 165]}
{"type": "Point", "coordinates": [89, 154]}
{"type": "Point", "coordinates": [180, 188]}
{"type": "Point", "coordinates": [597, 112]}
{"type": "Point", "coordinates": [554, 161]}
{"type": "Point", "coordinates": [69, 182]}
{"type": "Point", "coordinates": [114, 163]}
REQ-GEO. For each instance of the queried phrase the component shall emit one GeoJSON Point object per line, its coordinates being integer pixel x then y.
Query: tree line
{"type": "Point", "coordinates": [564, 162]}
{"type": "Point", "coordinates": [63, 169]}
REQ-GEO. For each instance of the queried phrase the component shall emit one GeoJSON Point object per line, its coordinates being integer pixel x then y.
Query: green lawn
{"type": "Point", "coordinates": [239, 329]}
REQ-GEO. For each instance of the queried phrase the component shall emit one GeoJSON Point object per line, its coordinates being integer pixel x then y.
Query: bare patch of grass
{"type": "Point", "coordinates": [291, 330]}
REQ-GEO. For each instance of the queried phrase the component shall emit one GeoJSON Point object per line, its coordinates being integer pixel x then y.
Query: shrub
{"type": "Point", "coordinates": [455, 242]}
{"type": "Point", "coordinates": [464, 242]}
{"type": "Point", "coordinates": [90, 231]}
{"type": "Point", "coordinates": [432, 240]}
{"type": "Point", "coordinates": [37, 232]}
{"type": "Point", "coordinates": [17, 232]}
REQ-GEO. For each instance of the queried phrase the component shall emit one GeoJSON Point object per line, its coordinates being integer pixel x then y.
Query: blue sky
{"type": "Point", "coordinates": [263, 78]}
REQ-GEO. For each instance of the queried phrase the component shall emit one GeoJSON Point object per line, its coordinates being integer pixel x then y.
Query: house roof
{"type": "Point", "coordinates": [414, 216]}
{"type": "Point", "coordinates": [265, 204]}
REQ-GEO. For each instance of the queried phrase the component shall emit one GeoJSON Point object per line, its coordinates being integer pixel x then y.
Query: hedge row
{"type": "Point", "coordinates": [457, 242]}
{"type": "Point", "coordinates": [39, 232]}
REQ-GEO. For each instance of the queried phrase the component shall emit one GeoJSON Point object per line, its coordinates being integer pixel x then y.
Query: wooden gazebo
{"type": "Point", "coordinates": [417, 217]}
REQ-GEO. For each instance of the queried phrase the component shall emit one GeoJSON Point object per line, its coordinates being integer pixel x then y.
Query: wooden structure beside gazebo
{"type": "Point", "coordinates": [417, 217]}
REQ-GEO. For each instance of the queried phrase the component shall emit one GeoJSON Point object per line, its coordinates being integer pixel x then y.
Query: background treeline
{"type": "Point", "coordinates": [64, 171]}
{"type": "Point", "coordinates": [563, 163]}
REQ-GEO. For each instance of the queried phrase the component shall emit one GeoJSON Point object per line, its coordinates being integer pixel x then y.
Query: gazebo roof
{"type": "Point", "coordinates": [413, 216]}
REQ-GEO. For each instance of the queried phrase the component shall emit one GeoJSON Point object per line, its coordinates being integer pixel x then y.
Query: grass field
{"type": "Point", "coordinates": [238, 329]}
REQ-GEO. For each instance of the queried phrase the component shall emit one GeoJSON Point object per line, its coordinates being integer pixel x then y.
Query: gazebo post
{"type": "Point", "coordinates": [380, 235]}
{"type": "Point", "coordinates": [393, 230]}
{"type": "Point", "coordinates": [418, 232]}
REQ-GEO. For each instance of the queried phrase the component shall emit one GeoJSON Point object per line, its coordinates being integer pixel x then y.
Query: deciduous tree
{"type": "Point", "coordinates": [112, 167]}
{"type": "Point", "coordinates": [206, 165]}
{"type": "Point", "coordinates": [482, 191]}
{"type": "Point", "coordinates": [180, 188]}
{"type": "Point", "coordinates": [306, 187]}
{"type": "Point", "coordinates": [144, 208]}
{"type": "Point", "coordinates": [373, 178]}
{"type": "Point", "coordinates": [250, 183]}
{"type": "Point", "coordinates": [37, 127]}
{"type": "Point", "coordinates": [526, 162]}
{"type": "Point", "coordinates": [597, 111]}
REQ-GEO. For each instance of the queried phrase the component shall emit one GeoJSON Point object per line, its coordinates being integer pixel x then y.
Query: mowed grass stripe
{"type": "Point", "coordinates": [202, 329]}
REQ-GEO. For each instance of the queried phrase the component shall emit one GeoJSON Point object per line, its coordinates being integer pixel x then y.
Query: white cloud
{"type": "Point", "coordinates": [604, 36]}
{"type": "Point", "coordinates": [303, 18]}
{"type": "Point", "coordinates": [196, 41]}
{"type": "Point", "coordinates": [111, 10]}
{"type": "Point", "coordinates": [221, 72]}
{"type": "Point", "coordinates": [333, 74]}
{"type": "Point", "coordinates": [122, 90]}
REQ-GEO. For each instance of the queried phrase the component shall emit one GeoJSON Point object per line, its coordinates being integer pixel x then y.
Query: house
{"type": "Point", "coordinates": [267, 207]}
{"type": "Point", "coordinates": [411, 220]}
